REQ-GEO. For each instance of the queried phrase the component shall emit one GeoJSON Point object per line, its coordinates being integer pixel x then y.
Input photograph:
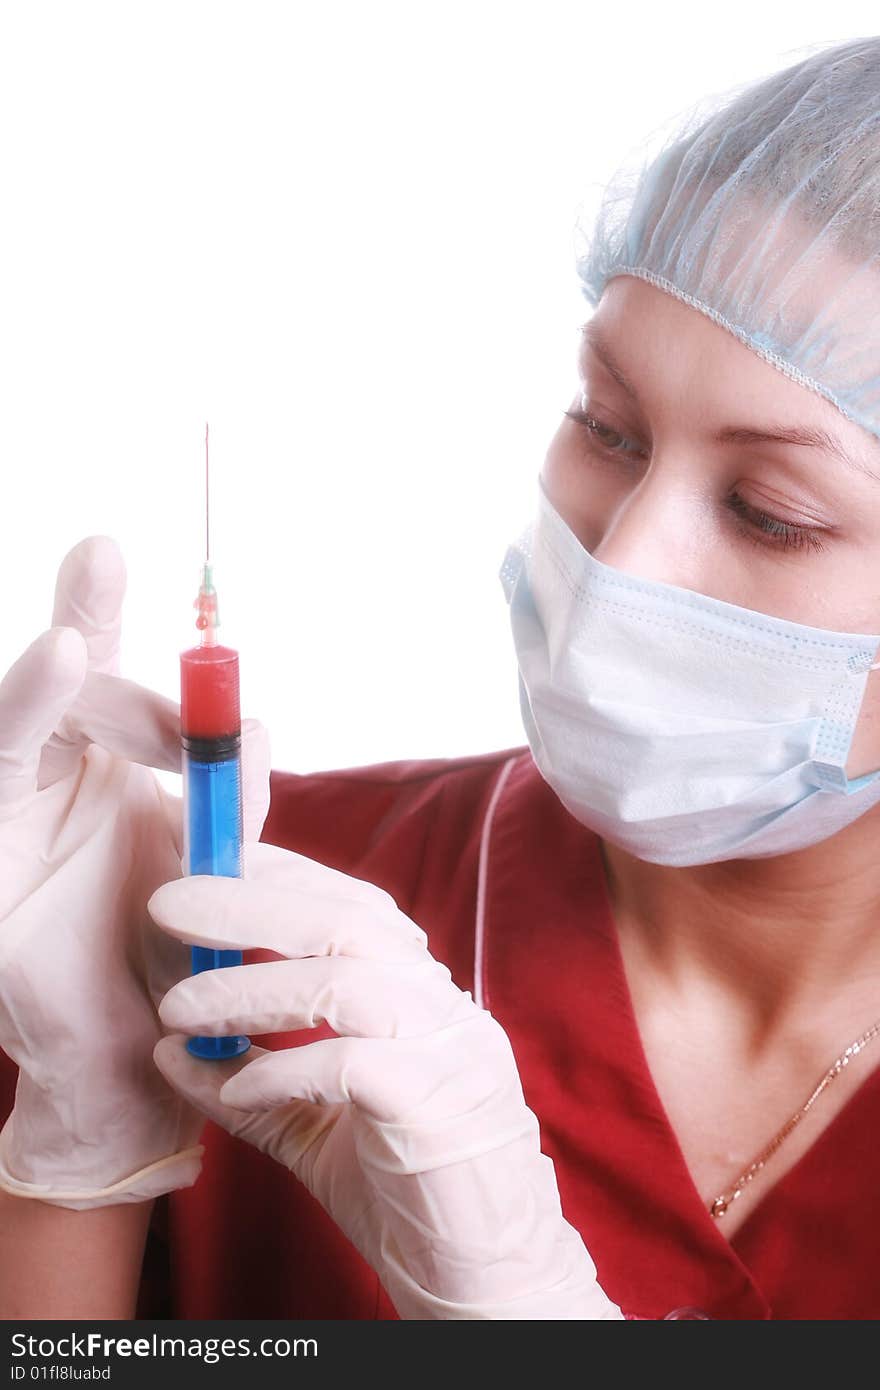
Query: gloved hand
{"type": "Point", "coordinates": [410, 1128]}
{"type": "Point", "coordinates": [86, 834]}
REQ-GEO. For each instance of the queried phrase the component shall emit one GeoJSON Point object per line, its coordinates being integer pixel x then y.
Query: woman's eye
{"type": "Point", "coordinates": [780, 533]}
{"type": "Point", "coordinates": [601, 434]}
{"type": "Point", "coordinates": [758, 527]}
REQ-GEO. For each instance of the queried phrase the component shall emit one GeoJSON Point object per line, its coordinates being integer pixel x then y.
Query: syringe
{"type": "Point", "coordinates": [210, 727]}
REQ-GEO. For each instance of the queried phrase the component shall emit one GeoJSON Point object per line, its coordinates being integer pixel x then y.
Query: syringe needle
{"type": "Point", "coordinates": [206, 602]}
{"type": "Point", "coordinates": [207, 509]}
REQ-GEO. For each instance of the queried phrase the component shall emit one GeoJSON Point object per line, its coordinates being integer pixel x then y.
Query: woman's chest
{"type": "Point", "coordinates": [742, 1120]}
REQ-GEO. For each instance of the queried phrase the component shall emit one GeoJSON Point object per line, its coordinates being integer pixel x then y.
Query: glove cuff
{"type": "Point", "coordinates": [576, 1296]}
{"type": "Point", "coordinates": [165, 1175]}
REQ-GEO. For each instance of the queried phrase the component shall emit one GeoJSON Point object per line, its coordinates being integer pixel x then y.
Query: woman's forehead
{"type": "Point", "coordinates": [675, 350]}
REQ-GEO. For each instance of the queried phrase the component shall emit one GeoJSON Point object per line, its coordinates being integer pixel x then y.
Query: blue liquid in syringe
{"type": "Point", "coordinates": [212, 845]}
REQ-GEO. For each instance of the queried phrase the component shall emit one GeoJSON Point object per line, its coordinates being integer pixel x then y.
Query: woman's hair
{"type": "Point", "coordinates": [764, 213]}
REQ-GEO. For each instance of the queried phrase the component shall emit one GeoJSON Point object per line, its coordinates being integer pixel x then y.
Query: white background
{"type": "Point", "coordinates": [342, 234]}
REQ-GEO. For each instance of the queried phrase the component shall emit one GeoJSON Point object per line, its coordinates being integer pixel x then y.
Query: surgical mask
{"type": "Point", "coordinates": [680, 727]}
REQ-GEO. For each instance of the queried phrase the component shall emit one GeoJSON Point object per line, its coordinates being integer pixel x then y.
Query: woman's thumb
{"type": "Point", "coordinates": [285, 1133]}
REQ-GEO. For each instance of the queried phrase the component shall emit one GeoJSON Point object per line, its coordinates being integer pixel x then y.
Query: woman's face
{"type": "Point", "coordinates": [669, 480]}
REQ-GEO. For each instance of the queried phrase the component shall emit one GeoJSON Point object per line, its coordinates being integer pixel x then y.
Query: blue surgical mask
{"type": "Point", "coordinates": [682, 728]}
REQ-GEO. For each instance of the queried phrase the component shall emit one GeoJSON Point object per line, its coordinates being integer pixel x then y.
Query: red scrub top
{"type": "Point", "coordinates": [511, 892]}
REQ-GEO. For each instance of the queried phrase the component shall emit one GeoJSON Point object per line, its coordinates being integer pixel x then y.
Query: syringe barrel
{"type": "Point", "coordinates": [210, 726]}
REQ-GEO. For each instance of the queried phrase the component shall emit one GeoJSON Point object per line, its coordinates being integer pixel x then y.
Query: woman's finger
{"type": "Point", "coordinates": [275, 865]}
{"type": "Point", "coordinates": [138, 724]}
{"type": "Point", "coordinates": [89, 591]}
{"type": "Point", "coordinates": [452, 1088]}
{"type": "Point", "coordinates": [356, 997]}
{"type": "Point", "coordinates": [200, 1083]}
{"type": "Point", "coordinates": [34, 695]}
{"type": "Point", "coordinates": [256, 764]}
{"type": "Point", "coordinates": [128, 720]}
{"type": "Point", "coordinates": [310, 911]}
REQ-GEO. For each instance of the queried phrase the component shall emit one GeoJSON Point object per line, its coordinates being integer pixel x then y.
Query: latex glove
{"type": "Point", "coordinates": [410, 1128]}
{"type": "Point", "coordinates": [86, 834]}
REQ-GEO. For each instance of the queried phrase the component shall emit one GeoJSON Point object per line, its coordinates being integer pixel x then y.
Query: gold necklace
{"type": "Point", "coordinates": [722, 1202]}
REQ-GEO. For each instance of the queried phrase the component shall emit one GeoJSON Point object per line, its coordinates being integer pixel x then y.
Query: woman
{"type": "Point", "coordinates": [650, 932]}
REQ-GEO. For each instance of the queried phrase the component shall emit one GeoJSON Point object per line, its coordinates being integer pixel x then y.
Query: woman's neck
{"type": "Point", "coordinates": [780, 939]}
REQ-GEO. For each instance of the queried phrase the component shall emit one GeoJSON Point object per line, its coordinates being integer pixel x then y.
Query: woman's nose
{"type": "Point", "coordinates": [653, 533]}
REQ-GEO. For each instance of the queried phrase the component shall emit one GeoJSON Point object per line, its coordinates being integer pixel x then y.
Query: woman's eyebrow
{"type": "Point", "coordinates": [807, 435]}
{"type": "Point", "coordinates": [593, 338]}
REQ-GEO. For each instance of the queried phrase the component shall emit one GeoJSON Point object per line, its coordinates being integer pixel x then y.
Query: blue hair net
{"type": "Point", "coordinates": [765, 215]}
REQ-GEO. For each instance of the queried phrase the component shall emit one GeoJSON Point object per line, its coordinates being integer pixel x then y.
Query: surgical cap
{"type": "Point", "coordinates": [765, 215]}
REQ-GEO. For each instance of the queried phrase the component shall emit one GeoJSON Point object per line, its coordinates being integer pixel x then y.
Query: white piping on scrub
{"type": "Point", "coordinates": [481, 991]}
